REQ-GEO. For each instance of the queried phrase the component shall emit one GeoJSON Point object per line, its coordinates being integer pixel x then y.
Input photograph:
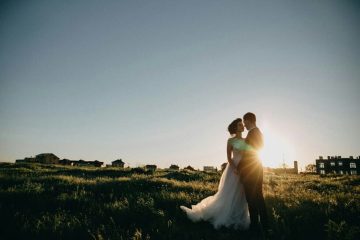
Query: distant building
{"type": "Point", "coordinates": [48, 158]}
{"type": "Point", "coordinates": [174, 167]}
{"type": "Point", "coordinates": [80, 163]}
{"type": "Point", "coordinates": [190, 168]}
{"type": "Point", "coordinates": [97, 163]}
{"type": "Point", "coordinates": [210, 169]}
{"type": "Point", "coordinates": [66, 162]}
{"type": "Point", "coordinates": [338, 165]}
{"type": "Point", "coordinates": [30, 159]}
{"type": "Point", "coordinates": [83, 163]}
{"type": "Point", "coordinates": [26, 160]}
{"type": "Point", "coordinates": [151, 167]}
{"type": "Point", "coordinates": [118, 163]}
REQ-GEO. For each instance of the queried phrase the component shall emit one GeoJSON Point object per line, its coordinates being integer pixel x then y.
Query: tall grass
{"type": "Point", "coordinates": [53, 202]}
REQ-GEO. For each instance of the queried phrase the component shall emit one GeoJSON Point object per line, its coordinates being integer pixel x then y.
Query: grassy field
{"type": "Point", "coordinates": [53, 202]}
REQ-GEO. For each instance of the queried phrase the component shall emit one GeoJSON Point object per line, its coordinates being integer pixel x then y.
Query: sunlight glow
{"type": "Point", "coordinates": [277, 151]}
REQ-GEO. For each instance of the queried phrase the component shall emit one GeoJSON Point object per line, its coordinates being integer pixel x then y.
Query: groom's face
{"type": "Point", "coordinates": [246, 123]}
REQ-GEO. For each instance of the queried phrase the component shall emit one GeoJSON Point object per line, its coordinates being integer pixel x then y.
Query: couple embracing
{"type": "Point", "coordinates": [239, 201]}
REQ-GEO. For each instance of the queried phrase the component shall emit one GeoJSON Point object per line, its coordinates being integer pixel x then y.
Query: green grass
{"type": "Point", "coordinates": [53, 202]}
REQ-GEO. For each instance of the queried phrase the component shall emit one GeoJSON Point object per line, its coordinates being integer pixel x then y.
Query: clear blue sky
{"type": "Point", "coordinates": [159, 81]}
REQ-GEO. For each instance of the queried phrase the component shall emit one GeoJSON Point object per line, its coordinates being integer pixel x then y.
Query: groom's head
{"type": "Point", "coordinates": [249, 120]}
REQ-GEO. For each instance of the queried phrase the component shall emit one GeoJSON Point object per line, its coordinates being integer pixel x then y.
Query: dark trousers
{"type": "Point", "coordinates": [254, 195]}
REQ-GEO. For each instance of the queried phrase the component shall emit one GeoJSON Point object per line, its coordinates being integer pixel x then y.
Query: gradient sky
{"type": "Point", "coordinates": [158, 82]}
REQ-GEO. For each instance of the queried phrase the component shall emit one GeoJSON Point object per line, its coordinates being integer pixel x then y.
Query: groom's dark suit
{"type": "Point", "coordinates": [251, 174]}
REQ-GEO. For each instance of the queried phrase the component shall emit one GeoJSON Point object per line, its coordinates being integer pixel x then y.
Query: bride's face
{"type": "Point", "coordinates": [240, 127]}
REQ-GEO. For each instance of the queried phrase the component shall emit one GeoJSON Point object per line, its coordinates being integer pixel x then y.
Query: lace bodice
{"type": "Point", "coordinates": [239, 144]}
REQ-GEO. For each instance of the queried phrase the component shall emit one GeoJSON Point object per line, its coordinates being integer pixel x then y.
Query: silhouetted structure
{"type": "Point", "coordinates": [66, 162]}
{"type": "Point", "coordinates": [338, 165]}
{"type": "Point", "coordinates": [118, 163]}
{"type": "Point", "coordinates": [50, 158]}
{"type": "Point", "coordinates": [26, 160]}
{"type": "Point", "coordinates": [210, 169]}
{"type": "Point", "coordinates": [151, 167]}
{"type": "Point", "coordinates": [83, 163]}
{"type": "Point", "coordinates": [190, 168]}
{"type": "Point", "coordinates": [174, 167]}
{"type": "Point", "coordinates": [47, 158]}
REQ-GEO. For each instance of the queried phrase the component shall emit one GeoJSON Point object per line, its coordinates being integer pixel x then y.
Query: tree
{"type": "Point", "coordinates": [311, 168]}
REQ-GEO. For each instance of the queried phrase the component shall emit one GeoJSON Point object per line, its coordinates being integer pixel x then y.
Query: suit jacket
{"type": "Point", "coordinates": [250, 162]}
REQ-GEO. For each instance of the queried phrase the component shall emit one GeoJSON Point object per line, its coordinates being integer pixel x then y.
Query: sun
{"type": "Point", "coordinates": [277, 151]}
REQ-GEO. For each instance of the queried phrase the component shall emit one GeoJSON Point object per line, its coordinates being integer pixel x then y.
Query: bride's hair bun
{"type": "Point", "coordinates": [232, 128]}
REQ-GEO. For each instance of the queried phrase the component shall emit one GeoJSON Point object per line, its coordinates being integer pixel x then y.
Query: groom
{"type": "Point", "coordinates": [251, 174]}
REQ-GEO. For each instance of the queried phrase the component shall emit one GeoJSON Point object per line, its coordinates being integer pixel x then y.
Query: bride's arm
{"type": "Point", "coordinates": [242, 154]}
{"type": "Point", "coordinates": [229, 151]}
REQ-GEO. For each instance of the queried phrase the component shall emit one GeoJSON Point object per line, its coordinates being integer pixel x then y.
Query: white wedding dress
{"type": "Point", "coordinates": [228, 207]}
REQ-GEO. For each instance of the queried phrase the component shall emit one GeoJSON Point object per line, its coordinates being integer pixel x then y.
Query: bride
{"type": "Point", "coordinates": [228, 207]}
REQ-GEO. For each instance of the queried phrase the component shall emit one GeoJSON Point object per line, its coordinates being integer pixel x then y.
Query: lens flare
{"type": "Point", "coordinates": [277, 151]}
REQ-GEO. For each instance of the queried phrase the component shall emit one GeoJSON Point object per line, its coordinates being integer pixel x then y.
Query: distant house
{"type": "Point", "coordinates": [151, 167]}
{"type": "Point", "coordinates": [338, 165]}
{"type": "Point", "coordinates": [223, 166]}
{"type": "Point", "coordinates": [66, 162]}
{"type": "Point", "coordinates": [174, 167]}
{"type": "Point", "coordinates": [209, 169]}
{"type": "Point", "coordinates": [20, 161]}
{"type": "Point", "coordinates": [96, 163]}
{"type": "Point", "coordinates": [80, 163]}
{"type": "Point", "coordinates": [118, 163]}
{"type": "Point", "coordinates": [48, 158]}
{"type": "Point", "coordinates": [83, 163]}
{"type": "Point", "coordinates": [30, 159]}
{"type": "Point", "coordinates": [189, 168]}
{"type": "Point", "coordinates": [26, 160]}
